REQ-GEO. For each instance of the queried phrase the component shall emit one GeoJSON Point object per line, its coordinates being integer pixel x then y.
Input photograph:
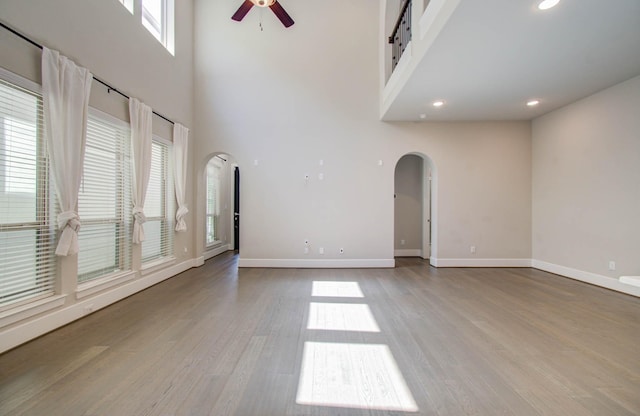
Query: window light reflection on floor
{"type": "Point", "coordinates": [341, 317]}
{"type": "Point", "coordinates": [336, 289]}
{"type": "Point", "coordinates": [361, 376]}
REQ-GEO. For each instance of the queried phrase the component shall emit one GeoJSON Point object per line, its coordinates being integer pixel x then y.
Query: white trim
{"type": "Point", "coordinates": [199, 261]}
{"type": "Point", "coordinates": [215, 251]}
{"type": "Point", "coordinates": [98, 285]}
{"type": "Point", "coordinates": [20, 334]}
{"type": "Point", "coordinates": [11, 316]}
{"type": "Point", "coordinates": [408, 252]}
{"type": "Point", "coordinates": [630, 280]}
{"type": "Point", "coordinates": [399, 73]}
{"type": "Point", "coordinates": [155, 265]}
{"type": "Point", "coordinates": [109, 118]}
{"type": "Point", "coordinates": [587, 277]}
{"type": "Point", "coordinates": [318, 263]}
{"type": "Point", "coordinates": [479, 262]}
{"type": "Point", "coordinates": [16, 79]}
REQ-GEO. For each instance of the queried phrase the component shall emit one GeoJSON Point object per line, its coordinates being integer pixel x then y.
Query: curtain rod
{"type": "Point", "coordinates": [109, 87]}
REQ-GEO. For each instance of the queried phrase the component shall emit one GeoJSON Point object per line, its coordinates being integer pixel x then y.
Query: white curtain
{"type": "Point", "coordinates": [65, 93]}
{"type": "Point", "coordinates": [180, 146]}
{"type": "Point", "coordinates": [140, 115]}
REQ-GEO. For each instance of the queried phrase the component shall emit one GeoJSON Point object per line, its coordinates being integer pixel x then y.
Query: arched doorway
{"type": "Point", "coordinates": [414, 231]}
{"type": "Point", "coordinates": [220, 221]}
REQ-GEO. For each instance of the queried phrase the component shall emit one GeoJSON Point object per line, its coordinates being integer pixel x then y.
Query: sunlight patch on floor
{"type": "Point", "coordinates": [336, 289]}
{"type": "Point", "coordinates": [362, 376]}
{"type": "Point", "coordinates": [341, 317]}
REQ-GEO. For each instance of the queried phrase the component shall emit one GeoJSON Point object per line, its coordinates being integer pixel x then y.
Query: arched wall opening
{"type": "Point", "coordinates": [415, 207]}
{"type": "Point", "coordinates": [217, 200]}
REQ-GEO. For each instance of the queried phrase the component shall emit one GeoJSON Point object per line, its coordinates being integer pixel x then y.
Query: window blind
{"type": "Point", "coordinates": [104, 200]}
{"type": "Point", "coordinates": [27, 199]}
{"type": "Point", "coordinates": [158, 206]}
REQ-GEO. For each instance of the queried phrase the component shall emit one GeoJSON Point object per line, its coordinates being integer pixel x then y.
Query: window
{"type": "Point", "coordinates": [104, 200]}
{"type": "Point", "coordinates": [158, 206]}
{"type": "Point", "coordinates": [128, 4]}
{"type": "Point", "coordinates": [214, 172]}
{"type": "Point", "coordinates": [157, 17]}
{"type": "Point", "coordinates": [27, 233]}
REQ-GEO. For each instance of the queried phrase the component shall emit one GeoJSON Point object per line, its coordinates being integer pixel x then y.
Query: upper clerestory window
{"type": "Point", "coordinates": [128, 4]}
{"type": "Point", "coordinates": [157, 16]}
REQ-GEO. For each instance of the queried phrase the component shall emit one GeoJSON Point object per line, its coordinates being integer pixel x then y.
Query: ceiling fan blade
{"type": "Point", "coordinates": [242, 11]}
{"type": "Point", "coordinates": [279, 11]}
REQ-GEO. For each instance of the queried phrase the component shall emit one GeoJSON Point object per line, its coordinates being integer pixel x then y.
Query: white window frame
{"type": "Point", "coordinates": [164, 30]}
{"type": "Point", "coordinates": [122, 205]}
{"type": "Point", "coordinates": [46, 210]}
{"type": "Point", "coordinates": [128, 4]}
{"type": "Point", "coordinates": [167, 211]}
{"type": "Point", "coordinates": [217, 163]}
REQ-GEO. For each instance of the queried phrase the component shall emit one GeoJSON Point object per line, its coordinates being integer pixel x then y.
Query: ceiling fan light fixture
{"type": "Point", "coordinates": [263, 3]}
{"type": "Point", "coordinates": [547, 4]}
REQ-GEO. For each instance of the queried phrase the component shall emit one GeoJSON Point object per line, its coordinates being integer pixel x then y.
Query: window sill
{"type": "Point", "coordinates": [214, 245]}
{"type": "Point", "coordinates": [155, 265]}
{"type": "Point", "coordinates": [90, 288]}
{"type": "Point", "coordinates": [31, 309]}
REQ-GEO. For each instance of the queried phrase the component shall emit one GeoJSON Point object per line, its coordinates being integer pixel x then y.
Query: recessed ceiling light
{"type": "Point", "coordinates": [438, 103]}
{"type": "Point", "coordinates": [547, 4]}
{"type": "Point", "coordinates": [532, 103]}
{"type": "Point", "coordinates": [423, 116]}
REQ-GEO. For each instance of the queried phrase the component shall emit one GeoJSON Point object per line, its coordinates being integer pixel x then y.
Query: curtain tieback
{"type": "Point", "coordinates": [69, 219]}
{"type": "Point", "coordinates": [138, 215]}
{"type": "Point", "coordinates": [182, 211]}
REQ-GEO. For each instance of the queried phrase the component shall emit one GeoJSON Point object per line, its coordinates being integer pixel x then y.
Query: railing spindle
{"type": "Point", "coordinates": [401, 34]}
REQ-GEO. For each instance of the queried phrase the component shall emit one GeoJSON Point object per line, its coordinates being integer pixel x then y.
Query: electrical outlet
{"type": "Point", "coordinates": [402, 242]}
{"type": "Point", "coordinates": [321, 250]}
{"type": "Point", "coordinates": [306, 250]}
{"type": "Point", "coordinates": [612, 265]}
{"type": "Point", "coordinates": [472, 249]}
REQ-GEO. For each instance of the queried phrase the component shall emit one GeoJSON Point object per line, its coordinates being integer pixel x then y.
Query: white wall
{"type": "Point", "coordinates": [288, 98]}
{"type": "Point", "coordinates": [105, 38]}
{"type": "Point", "coordinates": [586, 184]}
{"type": "Point", "coordinates": [408, 203]}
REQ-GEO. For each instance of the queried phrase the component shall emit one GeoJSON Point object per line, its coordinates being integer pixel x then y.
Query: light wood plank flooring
{"type": "Point", "coordinates": [218, 341]}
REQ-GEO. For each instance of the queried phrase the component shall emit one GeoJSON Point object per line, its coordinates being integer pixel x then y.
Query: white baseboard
{"type": "Point", "coordinates": [318, 263]}
{"type": "Point", "coordinates": [630, 280]}
{"type": "Point", "coordinates": [440, 262]}
{"type": "Point", "coordinates": [408, 252]}
{"type": "Point", "coordinates": [21, 333]}
{"type": "Point", "coordinates": [199, 261]}
{"type": "Point", "coordinates": [588, 277]}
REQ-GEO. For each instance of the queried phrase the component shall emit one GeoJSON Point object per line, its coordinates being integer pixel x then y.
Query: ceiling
{"type": "Point", "coordinates": [492, 56]}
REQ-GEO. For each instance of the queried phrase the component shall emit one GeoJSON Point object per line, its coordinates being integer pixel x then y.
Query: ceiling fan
{"type": "Point", "coordinates": [275, 7]}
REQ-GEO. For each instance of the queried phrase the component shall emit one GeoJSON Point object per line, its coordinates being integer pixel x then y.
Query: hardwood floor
{"type": "Point", "coordinates": [218, 341]}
